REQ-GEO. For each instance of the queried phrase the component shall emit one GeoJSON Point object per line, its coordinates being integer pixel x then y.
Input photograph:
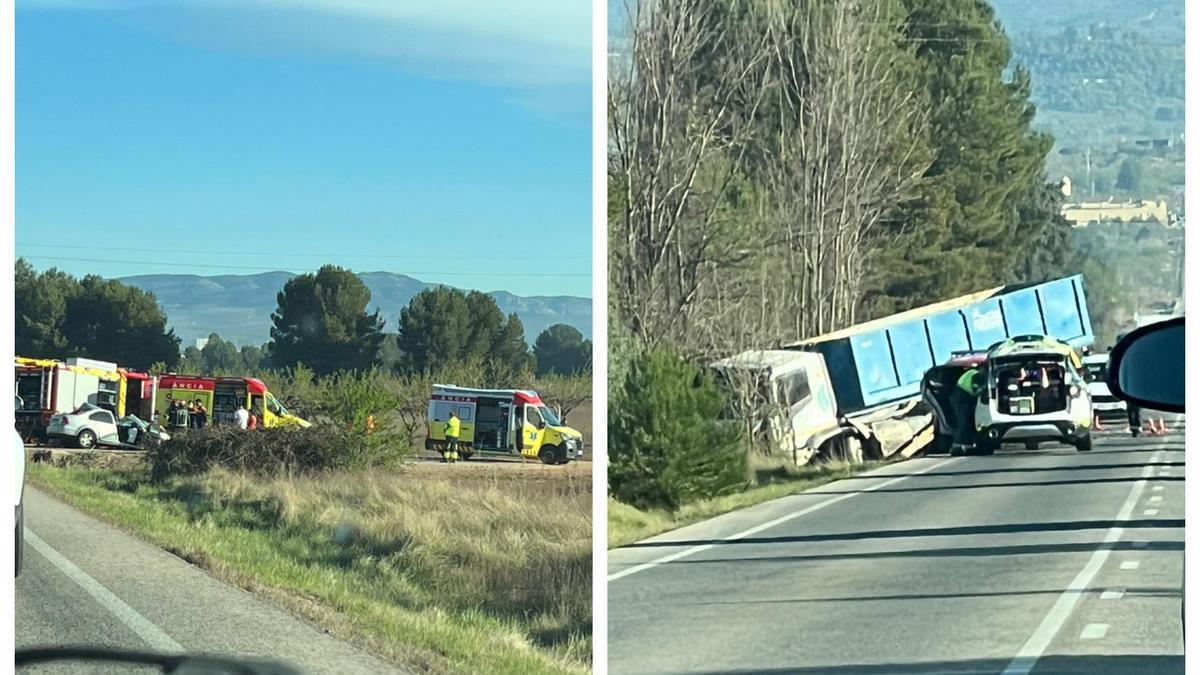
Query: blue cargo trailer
{"type": "Point", "coordinates": [883, 361]}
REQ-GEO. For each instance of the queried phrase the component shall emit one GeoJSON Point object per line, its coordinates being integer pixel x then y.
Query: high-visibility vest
{"type": "Point", "coordinates": [967, 382]}
{"type": "Point", "coordinates": [452, 427]}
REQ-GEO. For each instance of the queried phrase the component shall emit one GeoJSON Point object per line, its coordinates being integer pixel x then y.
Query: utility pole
{"type": "Point", "coordinates": [1091, 183]}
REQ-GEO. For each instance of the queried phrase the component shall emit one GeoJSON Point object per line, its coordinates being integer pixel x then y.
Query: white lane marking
{"type": "Point", "coordinates": [1093, 631]}
{"type": "Point", "coordinates": [140, 625]}
{"type": "Point", "coordinates": [1157, 488]}
{"type": "Point", "coordinates": [1156, 498]}
{"type": "Point", "coordinates": [771, 523]}
{"type": "Point", "coordinates": [1027, 657]}
{"type": "Point", "coordinates": [1150, 512]}
{"type": "Point", "coordinates": [1112, 594]}
{"type": "Point", "coordinates": [1131, 564]}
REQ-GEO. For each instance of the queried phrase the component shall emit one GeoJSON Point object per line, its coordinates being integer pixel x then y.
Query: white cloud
{"type": "Point", "coordinates": [532, 43]}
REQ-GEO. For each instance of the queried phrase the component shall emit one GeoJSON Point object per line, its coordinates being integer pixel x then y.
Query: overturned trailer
{"type": "Point", "coordinates": [872, 372]}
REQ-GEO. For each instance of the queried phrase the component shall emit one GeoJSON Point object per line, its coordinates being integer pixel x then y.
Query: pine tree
{"type": "Point", "coordinates": [978, 210]}
{"type": "Point", "coordinates": [322, 322]}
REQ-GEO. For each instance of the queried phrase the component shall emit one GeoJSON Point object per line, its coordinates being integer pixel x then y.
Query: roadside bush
{"type": "Point", "coordinates": [321, 448]}
{"type": "Point", "coordinates": [398, 402]}
{"type": "Point", "coordinates": [666, 445]}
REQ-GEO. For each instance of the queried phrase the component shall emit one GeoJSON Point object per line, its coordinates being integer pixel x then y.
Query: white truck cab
{"type": "Point", "coordinates": [785, 397]}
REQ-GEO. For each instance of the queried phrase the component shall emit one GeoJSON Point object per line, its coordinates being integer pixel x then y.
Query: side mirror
{"type": "Point", "coordinates": [1146, 367]}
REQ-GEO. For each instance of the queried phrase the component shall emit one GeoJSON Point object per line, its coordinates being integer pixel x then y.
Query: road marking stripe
{"type": "Point", "coordinates": [772, 523]}
{"type": "Point", "coordinates": [1156, 498]}
{"type": "Point", "coordinates": [1158, 488]}
{"type": "Point", "coordinates": [140, 625]}
{"type": "Point", "coordinates": [1037, 643]}
{"type": "Point", "coordinates": [1131, 564]}
{"type": "Point", "coordinates": [1093, 631]}
{"type": "Point", "coordinates": [1151, 512]}
{"type": "Point", "coordinates": [1112, 594]}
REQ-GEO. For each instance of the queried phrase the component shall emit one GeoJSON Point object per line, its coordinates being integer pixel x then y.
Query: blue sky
{"type": "Point", "coordinates": [446, 140]}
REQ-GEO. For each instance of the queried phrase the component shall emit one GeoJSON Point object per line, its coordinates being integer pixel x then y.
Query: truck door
{"type": "Point", "coordinates": [532, 431]}
{"type": "Point", "coordinates": [256, 407]}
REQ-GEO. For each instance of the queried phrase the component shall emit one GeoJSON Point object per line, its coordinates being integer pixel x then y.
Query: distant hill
{"type": "Point", "coordinates": [1106, 75]}
{"type": "Point", "coordinates": [1163, 18]}
{"type": "Point", "coordinates": [238, 307]}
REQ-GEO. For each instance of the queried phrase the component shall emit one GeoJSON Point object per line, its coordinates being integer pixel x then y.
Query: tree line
{"type": "Point", "coordinates": [321, 322]}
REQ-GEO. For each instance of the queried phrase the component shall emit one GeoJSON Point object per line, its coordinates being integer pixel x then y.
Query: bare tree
{"type": "Point", "coordinates": [564, 392]}
{"type": "Point", "coordinates": [679, 115]}
{"type": "Point", "coordinates": [755, 147]}
{"type": "Point", "coordinates": [849, 147]}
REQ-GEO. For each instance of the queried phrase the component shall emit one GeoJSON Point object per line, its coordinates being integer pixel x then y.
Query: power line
{"type": "Point", "coordinates": [261, 270]}
{"type": "Point", "coordinates": [273, 254]}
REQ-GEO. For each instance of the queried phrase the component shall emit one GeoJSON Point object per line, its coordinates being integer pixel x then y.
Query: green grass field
{"type": "Point", "coordinates": [463, 569]}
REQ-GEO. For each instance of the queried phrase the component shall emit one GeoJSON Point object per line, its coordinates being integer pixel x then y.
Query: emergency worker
{"type": "Point", "coordinates": [963, 399]}
{"type": "Point", "coordinates": [453, 425]}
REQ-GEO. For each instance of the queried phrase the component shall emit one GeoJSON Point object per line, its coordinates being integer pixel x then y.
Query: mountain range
{"type": "Point", "coordinates": [239, 307]}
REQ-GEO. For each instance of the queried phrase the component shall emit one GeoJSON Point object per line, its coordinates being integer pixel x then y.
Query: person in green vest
{"type": "Point", "coordinates": [966, 394]}
{"type": "Point", "coordinates": [452, 428]}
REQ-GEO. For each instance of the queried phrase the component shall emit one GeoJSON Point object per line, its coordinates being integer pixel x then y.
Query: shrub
{"type": "Point", "coordinates": [666, 445]}
{"type": "Point", "coordinates": [321, 448]}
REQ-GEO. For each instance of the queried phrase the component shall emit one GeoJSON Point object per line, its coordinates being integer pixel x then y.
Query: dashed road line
{"type": "Point", "coordinates": [1150, 512]}
{"type": "Point", "coordinates": [1112, 594]}
{"type": "Point", "coordinates": [1093, 631]}
{"type": "Point", "coordinates": [1156, 498]}
{"type": "Point", "coordinates": [1029, 654]}
{"type": "Point", "coordinates": [1131, 564]}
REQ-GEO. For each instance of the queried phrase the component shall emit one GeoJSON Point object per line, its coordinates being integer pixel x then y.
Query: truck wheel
{"type": "Point", "coordinates": [986, 447]}
{"type": "Point", "coordinates": [1084, 444]}
{"type": "Point", "coordinates": [87, 439]}
{"type": "Point", "coordinates": [549, 455]}
{"type": "Point", "coordinates": [464, 455]}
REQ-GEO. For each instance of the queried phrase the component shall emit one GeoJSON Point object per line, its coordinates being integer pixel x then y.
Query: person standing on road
{"type": "Point", "coordinates": [963, 398]}
{"type": "Point", "coordinates": [1135, 419]}
{"type": "Point", "coordinates": [452, 428]}
{"type": "Point", "coordinates": [241, 417]}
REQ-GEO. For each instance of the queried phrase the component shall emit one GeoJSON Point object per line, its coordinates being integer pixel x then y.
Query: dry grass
{"type": "Point", "coordinates": [442, 568]}
{"type": "Point", "coordinates": [627, 524]}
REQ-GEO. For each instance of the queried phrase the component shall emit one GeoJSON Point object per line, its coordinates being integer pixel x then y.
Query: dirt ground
{"type": "Point", "coordinates": [432, 463]}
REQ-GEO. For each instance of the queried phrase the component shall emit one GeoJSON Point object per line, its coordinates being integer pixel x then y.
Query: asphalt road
{"type": "Point", "coordinates": [85, 583]}
{"type": "Point", "coordinates": [1041, 562]}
